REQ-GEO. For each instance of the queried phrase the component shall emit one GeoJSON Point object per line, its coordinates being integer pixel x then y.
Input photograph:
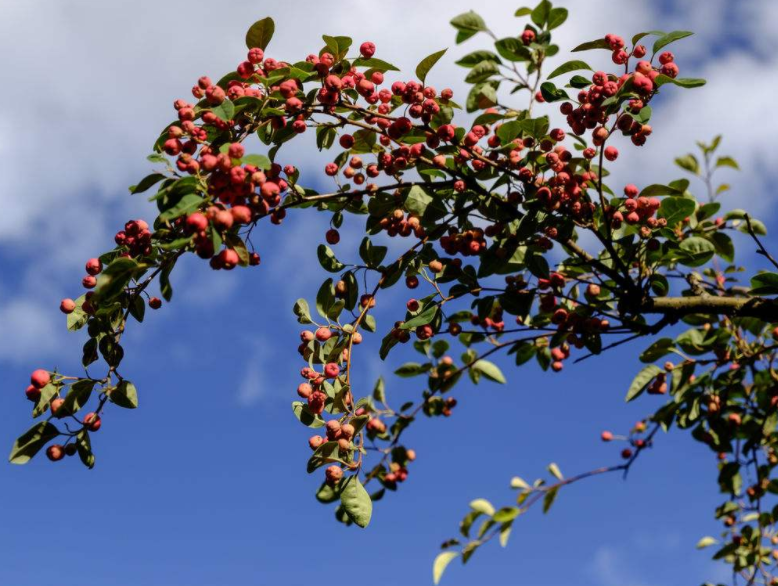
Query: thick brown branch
{"type": "Point", "coordinates": [764, 309]}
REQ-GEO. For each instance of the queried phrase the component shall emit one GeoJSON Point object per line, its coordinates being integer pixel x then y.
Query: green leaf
{"type": "Point", "coordinates": [338, 46]}
{"type": "Point", "coordinates": [482, 96]}
{"type": "Point", "coordinates": [78, 396]}
{"type": "Point", "coordinates": [225, 111]}
{"type": "Point", "coordinates": [417, 200]}
{"type": "Point", "coordinates": [656, 350]}
{"type": "Point", "coordinates": [670, 38]}
{"type": "Point", "coordinates": [598, 44]}
{"type": "Point", "coordinates": [30, 442]}
{"type": "Point", "coordinates": [489, 370]}
{"type": "Point", "coordinates": [306, 417]}
{"type": "Point", "coordinates": [540, 13]}
{"type": "Point", "coordinates": [124, 395]}
{"type": "Point", "coordinates": [425, 317]}
{"type": "Point", "coordinates": [372, 255]}
{"type": "Point", "coordinates": [146, 183]}
{"type": "Point", "coordinates": [260, 33]}
{"type": "Point", "coordinates": [706, 542]}
{"type": "Point", "coordinates": [423, 68]}
{"type": "Point", "coordinates": [556, 18]}
{"type": "Point", "coordinates": [482, 506]}
{"type": "Point", "coordinates": [47, 394]}
{"type": "Point", "coordinates": [356, 501]}
{"type": "Point", "coordinates": [684, 82]}
{"type": "Point", "coordinates": [551, 93]}
{"type": "Point", "coordinates": [483, 71]}
{"type": "Point", "coordinates": [379, 392]}
{"type": "Point", "coordinates": [513, 49]}
{"type": "Point", "coordinates": [689, 163]}
{"type": "Point", "coordinates": [758, 227]}
{"type": "Point", "coordinates": [725, 248]}
{"type": "Point", "coordinates": [373, 63]}
{"type": "Point", "coordinates": [675, 209]}
{"type": "Point", "coordinates": [505, 533]}
{"type": "Point", "coordinates": [697, 251]}
{"type": "Point", "coordinates": [518, 482]}
{"type": "Point", "coordinates": [727, 162]}
{"type": "Point", "coordinates": [549, 498]}
{"type": "Point", "coordinates": [185, 205]}
{"type": "Point", "coordinates": [411, 369]}
{"type": "Point", "coordinates": [506, 514]}
{"type": "Point", "coordinates": [764, 284]}
{"type": "Point", "coordinates": [442, 561]}
{"type": "Point", "coordinates": [259, 161]}
{"type": "Point", "coordinates": [469, 22]}
{"type": "Point", "coordinates": [655, 190]}
{"type": "Point", "coordinates": [115, 277]}
{"type": "Point", "coordinates": [78, 318]}
{"type": "Point", "coordinates": [554, 469]}
{"type": "Point", "coordinates": [476, 57]}
{"type": "Point", "coordinates": [641, 381]}
{"type": "Point", "coordinates": [327, 259]}
{"type": "Point", "coordinates": [569, 66]}
{"type": "Point", "coordinates": [302, 311]}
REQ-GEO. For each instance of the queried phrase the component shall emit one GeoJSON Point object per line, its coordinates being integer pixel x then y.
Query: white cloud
{"type": "Point", "coordinates": [96, 82]}
{"type": "Point", "coordinates": [29, 330]}
{"type": "Point", "coordinates": [609, 568]}
{"type": "Point", "coordinates": [255, 383]}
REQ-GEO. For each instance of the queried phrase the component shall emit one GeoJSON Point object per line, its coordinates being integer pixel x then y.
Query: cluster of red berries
{"type": "Point", "coordinates": [467, 243]}
{"type": "Point", "coordinates": [136, 238]}
{"type": "Point", "coordinates": [636, 442]}
{"type": "Point", "coordinates": [591, 111]}
{"type": "Point", "coordinates": [38, 380]}
{"type": "Point", "coordinates": [638, 210]}
{"type": "Point", "coordinates": [400, 224]}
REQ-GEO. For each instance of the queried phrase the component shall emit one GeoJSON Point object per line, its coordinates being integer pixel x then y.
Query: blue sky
{"type": "Point", "coordinates": [205, 483]}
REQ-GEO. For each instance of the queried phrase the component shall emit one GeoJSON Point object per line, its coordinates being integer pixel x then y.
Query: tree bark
{"type": "Point", "coordinates": [764, 309]}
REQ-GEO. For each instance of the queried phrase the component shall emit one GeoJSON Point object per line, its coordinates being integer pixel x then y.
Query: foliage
{"type": "Point", "coordinates": [494, 212]}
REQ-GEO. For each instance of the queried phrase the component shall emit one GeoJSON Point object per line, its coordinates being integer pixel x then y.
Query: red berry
{"type": "Point", "coordinates": [55, 452]}
{"type": "Point", "coordinates": [333, 474]}
{"type": "Point", "coordinates": [56, 405]}
{"type": "Point", "coordinates": [332, 236]}
{"type": "Point", "coordinates": [611, 153]}
{"type": "Point", "coordinates": [33, 393]}
{"type": "Point", "coordinates": [67, 306]}
{"type": "Point", "coordinates": [367, 49]}
{"type": "Point", "coordinates": [40, 378]}
{"type": "Point", "coordinates": [92, 421]}
{"type": "Point", "coordinates": [606, 436]}
{"type": "Point", "coordinates": [155, 303]}
{"type": "Point", "coordinates": [331, 370]}
{"type": "Point", "coordinates": [94, 266]}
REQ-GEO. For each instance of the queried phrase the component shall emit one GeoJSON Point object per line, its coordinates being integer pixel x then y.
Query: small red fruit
{"type": "Point", "coordinates": [67, 306]}
{"type": "Point", "coordinates": [94, 266]}
{"type": "Point", "coordinates": [55, 452]}
{"type": "Point", "coordinates": [332, 236]}
{"type": "Point", "coordinates": [92, 421]}
{"type": "Point", "coordinates": [367, 49]}
{"type": "Point", "coordinates": [40, 378]}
